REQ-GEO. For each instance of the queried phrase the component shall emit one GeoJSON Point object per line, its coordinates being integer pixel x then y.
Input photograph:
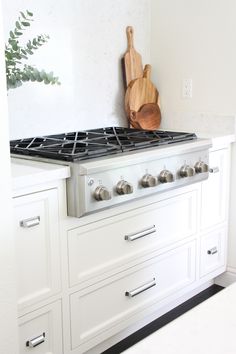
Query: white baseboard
{"type": "Point", "coordinates": [227, 278]}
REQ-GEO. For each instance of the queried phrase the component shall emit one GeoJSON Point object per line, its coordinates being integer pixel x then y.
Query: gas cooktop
{"type": "Point", "coordinates": [81, 145]}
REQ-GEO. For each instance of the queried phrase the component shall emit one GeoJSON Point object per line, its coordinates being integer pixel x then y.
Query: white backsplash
{"type": "Point", "coordinates": [206, 123]}
{"type": "Point", "coordinates": [87, 41]}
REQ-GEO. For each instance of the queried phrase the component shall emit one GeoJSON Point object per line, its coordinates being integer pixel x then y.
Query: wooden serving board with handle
{"type": "Point", "coordinates": [140, 91]}
{"type": "Point", "coordinates": [148, 117]}
{"type": "Point", "coordinates": [132, 61]}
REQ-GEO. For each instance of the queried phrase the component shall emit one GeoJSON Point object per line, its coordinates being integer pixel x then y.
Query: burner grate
{"type": "Point", "coordinates": [95, 143]}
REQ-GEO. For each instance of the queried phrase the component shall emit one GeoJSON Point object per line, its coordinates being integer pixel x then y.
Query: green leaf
{"type": "Point", "coordinates": [43, 74]}
{"type": "Point", "coordinates": [18, 56]}
{"type": "Point", "coordinates": [14, 45]}
{"type": "Point", "coordinates": [29, 51]}
{"type": "Point", "coordinates": [11, 63]}
{"type": "Point", "coordinates": [29, 13]}
{"type": "Point", "coordinates": [32, 77]}
{"type": "Point", "coordinates": [12, 35]}
{"type": "Point", "coordinates": [46, 81]}
{"type": "Point", "coordinates": [17, 33]}
{"type": "Point", "coordinates": [18, 25]}
{"type": "Point", "coordinates": [29, 45]}
{"type": "Point", "coordinates": [23, 15]}
{"type": "Point", "coordinates": [24, 56]}
{"type": "Point", "coordinates": [26, 24]}
{"type": "Point", "coordinates": [25, 77]}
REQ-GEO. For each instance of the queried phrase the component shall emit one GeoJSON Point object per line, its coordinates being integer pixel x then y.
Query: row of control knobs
{"type": "Point", "coordinates": [165, 176]}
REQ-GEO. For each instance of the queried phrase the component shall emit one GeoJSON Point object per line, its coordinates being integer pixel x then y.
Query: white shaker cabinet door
{"type": "Point", "coordinates": [212, 252]}
{"type": "Point", "coordinates": [215, 190]}
{"type": "Point", "coordinates": [37, 246]}
{"type": "Point", "coordinates": [40, 331]}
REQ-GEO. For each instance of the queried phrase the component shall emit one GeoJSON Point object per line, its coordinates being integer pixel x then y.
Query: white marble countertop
{"type": "Point", "coordinates": [26, 173]}
{"type": "Point", "coordinates": [209, 328]}
{"type": "Point", "coordinates": [218, 139]}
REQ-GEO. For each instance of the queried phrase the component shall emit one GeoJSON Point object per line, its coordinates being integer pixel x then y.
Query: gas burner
{"type": "Point", "coordinates": [83, 145]}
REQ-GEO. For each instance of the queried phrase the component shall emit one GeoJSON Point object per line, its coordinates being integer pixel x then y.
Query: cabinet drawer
{"type": "Point", "coordinates": [40, 332]}
{"type": "Point", "coordinates": [212, 254]}
{"type": "Point", "coordinates": [37, 246]}
{"type": "Point", "coordinates": [128, 297]}
{"type": "Point", "coordinates": [102, 246]}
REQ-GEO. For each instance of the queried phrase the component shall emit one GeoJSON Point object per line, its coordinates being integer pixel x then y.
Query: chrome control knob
{"type": "Point", "coordinates": [201, 167]}
{"type": "Point", "coordinates": [186, 171]}
{"type": "Point", "coordinates": [124, 187]}
{"type": "Point", "coordinates": [166, 176]}
{"type": "Point", "coordinates": [102, 193]}
{"type": "Point", "coordinates": [149, 181]}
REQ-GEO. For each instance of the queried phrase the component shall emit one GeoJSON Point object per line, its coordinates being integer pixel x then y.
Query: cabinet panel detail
{"type": "Point", "coordinates": [40, 332]}
{"type": "Point", "coordinates": [95, 310]}
{"type": "Point", "coordinates": [212, 255]}
{"type": "Point", "coordinates": [103, 246]}
{"type": "Point", "coordinates": [214, 190]}
{"type": "Point", "coordinates": [37, 246]}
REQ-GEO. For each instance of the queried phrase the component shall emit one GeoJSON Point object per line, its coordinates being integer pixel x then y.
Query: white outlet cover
{"type": "Point", "coordinates": [187, 88]}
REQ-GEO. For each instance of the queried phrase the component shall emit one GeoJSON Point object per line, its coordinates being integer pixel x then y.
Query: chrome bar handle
{"type": "Point", "coordinates": [141, 288]}
{"type": "Point", "coordinates": [212, 251]}
{"type": "Point", "coordinates": [35, 341]}
{"type": "Point", "coordinates": [145, 232]}
{"type": "Point", "coordinates": [214, 169]}
{"type": "Point", "coordinates": [30, 222]}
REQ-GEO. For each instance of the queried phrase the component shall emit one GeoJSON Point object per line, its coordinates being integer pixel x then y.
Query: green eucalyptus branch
{"type": "Point", "coordinates": [16, 71]}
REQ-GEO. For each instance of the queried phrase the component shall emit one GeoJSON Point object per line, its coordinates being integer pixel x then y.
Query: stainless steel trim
{"type": "Point", "coordinates": [30, 222]}
{"type": "Point", "coordinates": [141, 288]}
{"type": "Point", "coordinates": [35, 341]}
{"type": "Point", "coordinates": [212, 251]}
{"type": "Point", "coordinates": [214, 169]}
{"type": "Point", "coordinates": [145, 232]}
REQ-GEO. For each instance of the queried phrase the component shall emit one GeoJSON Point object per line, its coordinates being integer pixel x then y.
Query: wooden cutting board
{"type": "Point", "coordinates": [148, 117]}
{"type": "Point", "coordinates": [140, 91]}
{"type": "Point", "coordinates": [132, 61]}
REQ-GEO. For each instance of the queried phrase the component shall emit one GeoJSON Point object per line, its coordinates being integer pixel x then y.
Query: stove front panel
{"type": "Point", "coordinates": [95, 190]}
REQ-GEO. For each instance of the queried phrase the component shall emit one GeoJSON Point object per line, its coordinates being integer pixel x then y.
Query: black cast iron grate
{"type": "Point", "coordinates": [93, 143]}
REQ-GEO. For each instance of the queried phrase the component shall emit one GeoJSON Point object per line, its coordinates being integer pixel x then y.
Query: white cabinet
{"type": "Point", "coordinates": [176, 243]}
{"type": "Point", "coordinates": [118, 270]}
{"type": "Point", "coordinates": [99, 248]}
{"type": "Point", "coordinates": [215, 189]}
{"type": "Point", "coordinates": [96, 311]}
{"type": "Point", "coordinates": [40, 332]}
{"type": "Point", "coordinates": [212, 251]}
{"type": "Point", "coordinates": [214, 214]}
{"type": "Point", "coordinates": [37, 246]}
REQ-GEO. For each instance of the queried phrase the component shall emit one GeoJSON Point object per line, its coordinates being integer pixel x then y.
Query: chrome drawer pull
{"type": "Point", "coordinates": [212, 251]}
{"type": "Point", "coordinates": [35, 341]}
{"type": "Point", "coordinates": [214, 169]}
{"type": "Point", "coordinates": [141, 288]}
{"type": "Point", "coordinates": [30, 222]}
{"type": "Point", "coordinates": [142, 233]}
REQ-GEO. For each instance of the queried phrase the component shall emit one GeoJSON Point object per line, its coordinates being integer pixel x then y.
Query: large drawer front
{"type": "Point", "coordinates": [212, 254]}
{"type": "Point", "coordinates": [40, 331]}
{"type": "Point", "coordinates": [37, 246]}
{"type": "Point", "coordinates": [120, 302]}
{"type": "Point", "coordinates": [102, 246]}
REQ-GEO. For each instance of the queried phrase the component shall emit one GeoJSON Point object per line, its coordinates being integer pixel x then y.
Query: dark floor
{"type": "Point", "coordinates": [163, 320]}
